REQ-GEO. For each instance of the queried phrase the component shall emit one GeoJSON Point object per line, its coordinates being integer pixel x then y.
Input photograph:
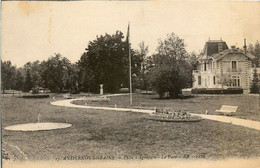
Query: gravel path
{"type": "Point", "coordinates": [226, 119]}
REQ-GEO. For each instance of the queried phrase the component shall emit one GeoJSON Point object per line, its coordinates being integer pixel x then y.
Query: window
{"type": "Point", "coordinates": [235, 81]}
{"type": "Point", "coordinates": [199, 80]}
{"type": "Point", "coordinates": [220, 47]}
{"type": "Point", "coordinates": [214, 80]}
{"type": "Point", "coordinates": [234, 66]}
{"type": "Point", "coordinates": [205, 66]}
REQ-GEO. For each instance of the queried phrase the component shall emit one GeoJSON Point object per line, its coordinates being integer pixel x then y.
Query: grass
{"type": "Point", "coordinates": [99, 133]}
{"type": "Point", "coordinates": [248, 105]}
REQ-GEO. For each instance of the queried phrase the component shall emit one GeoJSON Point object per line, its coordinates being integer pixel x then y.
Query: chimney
{"type": "Point", "coordinates": [245, 47]}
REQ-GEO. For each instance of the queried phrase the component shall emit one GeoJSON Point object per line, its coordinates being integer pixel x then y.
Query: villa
{"type": "Point", "coordinates": [221, 67]}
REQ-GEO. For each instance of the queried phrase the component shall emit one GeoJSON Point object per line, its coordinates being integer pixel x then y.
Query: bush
{"type": "Point", "coordinates": [123, 90]}
{"type": "Point", "coordinates": [35, 91]}
{"type": "Point", "coordinates": [217, 91]}
{"type": "Point", "coordinates": [97, 99]}
{"type": "Point", "coordinates": [31, 96]}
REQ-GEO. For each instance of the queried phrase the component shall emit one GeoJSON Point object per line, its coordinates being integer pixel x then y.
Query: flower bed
{"type": "Point", "coordinates": [168, 115]}
{"type": "Point", "coordinates": [97, 99]}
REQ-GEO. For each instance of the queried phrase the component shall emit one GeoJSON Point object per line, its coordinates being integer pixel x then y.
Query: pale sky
{"type": "Point", "coordinates": [36, 30]}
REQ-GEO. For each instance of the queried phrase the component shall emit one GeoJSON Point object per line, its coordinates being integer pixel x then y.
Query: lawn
{"type": "Point", "coordinates": [248, 105]}
{"type": "Point", "coordinates": [97, 134]}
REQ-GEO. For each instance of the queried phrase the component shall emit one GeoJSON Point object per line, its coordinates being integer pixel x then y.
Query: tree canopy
{"type": "Point", "coordinates": [171, 71]}
{"type": "Point", "coordinates": [255, 50]}
{"type": "Point", "coordinates": [106, 62]}
{"type": "Point", "coordinates": [254, 88]}
{"type": "Point", "coordinates": [57, 74]}
{"type": "Point", "coordinates": [8, 72]}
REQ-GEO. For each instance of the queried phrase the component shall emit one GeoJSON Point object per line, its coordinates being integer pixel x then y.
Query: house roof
{"type": "Point", "coordinates": [211, 51]}
{"type": "Point", "coordinates": [217, 56]}
{"type": "Point", "coordinates": [212, 46]}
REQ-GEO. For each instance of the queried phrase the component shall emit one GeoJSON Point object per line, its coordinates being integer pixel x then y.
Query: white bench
{"type": "Point", "coordinates": [227, 109]}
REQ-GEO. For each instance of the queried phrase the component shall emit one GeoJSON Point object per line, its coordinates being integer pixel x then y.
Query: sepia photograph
{"type": "Point", "coordinates": [130, 84]}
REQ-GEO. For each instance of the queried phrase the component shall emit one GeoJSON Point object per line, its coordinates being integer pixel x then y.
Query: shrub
{"type": "Point", "coordinates": [31, 96]}
{"type": "Point", "coordinates": [123, 90]}
{"type": "Point", "coordinates": [217, 91]}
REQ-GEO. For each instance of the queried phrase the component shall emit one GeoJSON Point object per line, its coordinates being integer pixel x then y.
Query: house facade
{"type": "Point", "coordinates": [221, 67]}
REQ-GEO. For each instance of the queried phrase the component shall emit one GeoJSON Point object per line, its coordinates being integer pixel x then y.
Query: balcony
{"type": "Point", "coordinates": [204, 72]}
{"type": "Point", "coordinates": [234, 70]}
{"type": "Point", "coordinates": [196, 71]}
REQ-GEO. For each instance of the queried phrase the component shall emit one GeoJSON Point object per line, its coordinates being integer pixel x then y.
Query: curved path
{"type": "Point", "coordinates": [67, 103]}
{"type": "Point", "coordinates": [232, 120]}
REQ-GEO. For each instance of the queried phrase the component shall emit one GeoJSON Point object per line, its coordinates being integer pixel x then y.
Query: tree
{"type": "Point", "coordinates": [106, 62]}
{"type": "Point", "coordinates": [255, 83]}
{"type": "Point", "coordinates": [34, 69]}
{"type": "Point", "coordinates": [143, 71]}
{"type": "Point", "coordinates": [255, 50]}
{"type": "Point", "coordinates": [193, 62]}
{"type": "Point", "coordinates": [171, 70]}
{"type": "Point", "coordinates": [193, 59]}
{"type": "Point", "coordinates": [19, 81]}
{"type": "Point", "coordinates": [28, 85]}
{"type": "Point", "coordinates": [72, 80]}
{"type": "Point", "coordinates": [224, 79]}
{"type": "Point", "coordinates": [7, 75]}
{"type": "Point", "coordinates": [55, 73]}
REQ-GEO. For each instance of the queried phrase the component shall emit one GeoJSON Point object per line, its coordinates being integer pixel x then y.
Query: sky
{"type": "Point", "coordinates": [37, 30]}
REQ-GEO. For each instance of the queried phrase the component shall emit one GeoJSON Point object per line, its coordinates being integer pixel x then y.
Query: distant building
{"type": "Point", "coordinates": [221, 67]}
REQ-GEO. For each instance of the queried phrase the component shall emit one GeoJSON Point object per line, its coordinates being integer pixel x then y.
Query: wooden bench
{"type": "Point", "coordinates": [227, 109]}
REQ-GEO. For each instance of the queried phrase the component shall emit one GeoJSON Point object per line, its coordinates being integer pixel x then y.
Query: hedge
{"type": "Point", "coordinates": [123, 90]}
{"type": "Point", "coordinates": [31, 96]}
{"type": "Point", "coordinates": [217, 91]}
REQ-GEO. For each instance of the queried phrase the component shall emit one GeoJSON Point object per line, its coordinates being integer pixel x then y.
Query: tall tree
{"type": "Point", "coordinates": [255, 83]}
{"type": "Point", "coordinates": [34, 69]}
{"type": "Point", "coordinates": [142, 77]}
{"type": "Point", "coordinates": [55, 73]}
{"type": "Point", "coordinates": [28, 85]}
{"type": "Point", "coordinates": [171, 70]}
{"type": "Point", "coordinates": [255, 50]}
{"type": "Point", "coordinates": [224, 79]}
{"type": "Point", "coordinates": [7, 75]}
{"type": "Point", "coordinates": [19, 81]}
{"type": "Point", "coordinates": [72, 80]}
{"type": "Point", "coordinates": [105, 62]}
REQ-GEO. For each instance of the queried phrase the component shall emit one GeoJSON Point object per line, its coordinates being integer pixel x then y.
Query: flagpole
{"type": "Point", "coordinates": [130, 68]}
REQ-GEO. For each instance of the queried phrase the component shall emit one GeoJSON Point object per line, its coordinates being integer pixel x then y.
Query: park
{"type": "Point", "coordinates": [103, 83]}
{"type": "Point", "coordinates": [111, 134]}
